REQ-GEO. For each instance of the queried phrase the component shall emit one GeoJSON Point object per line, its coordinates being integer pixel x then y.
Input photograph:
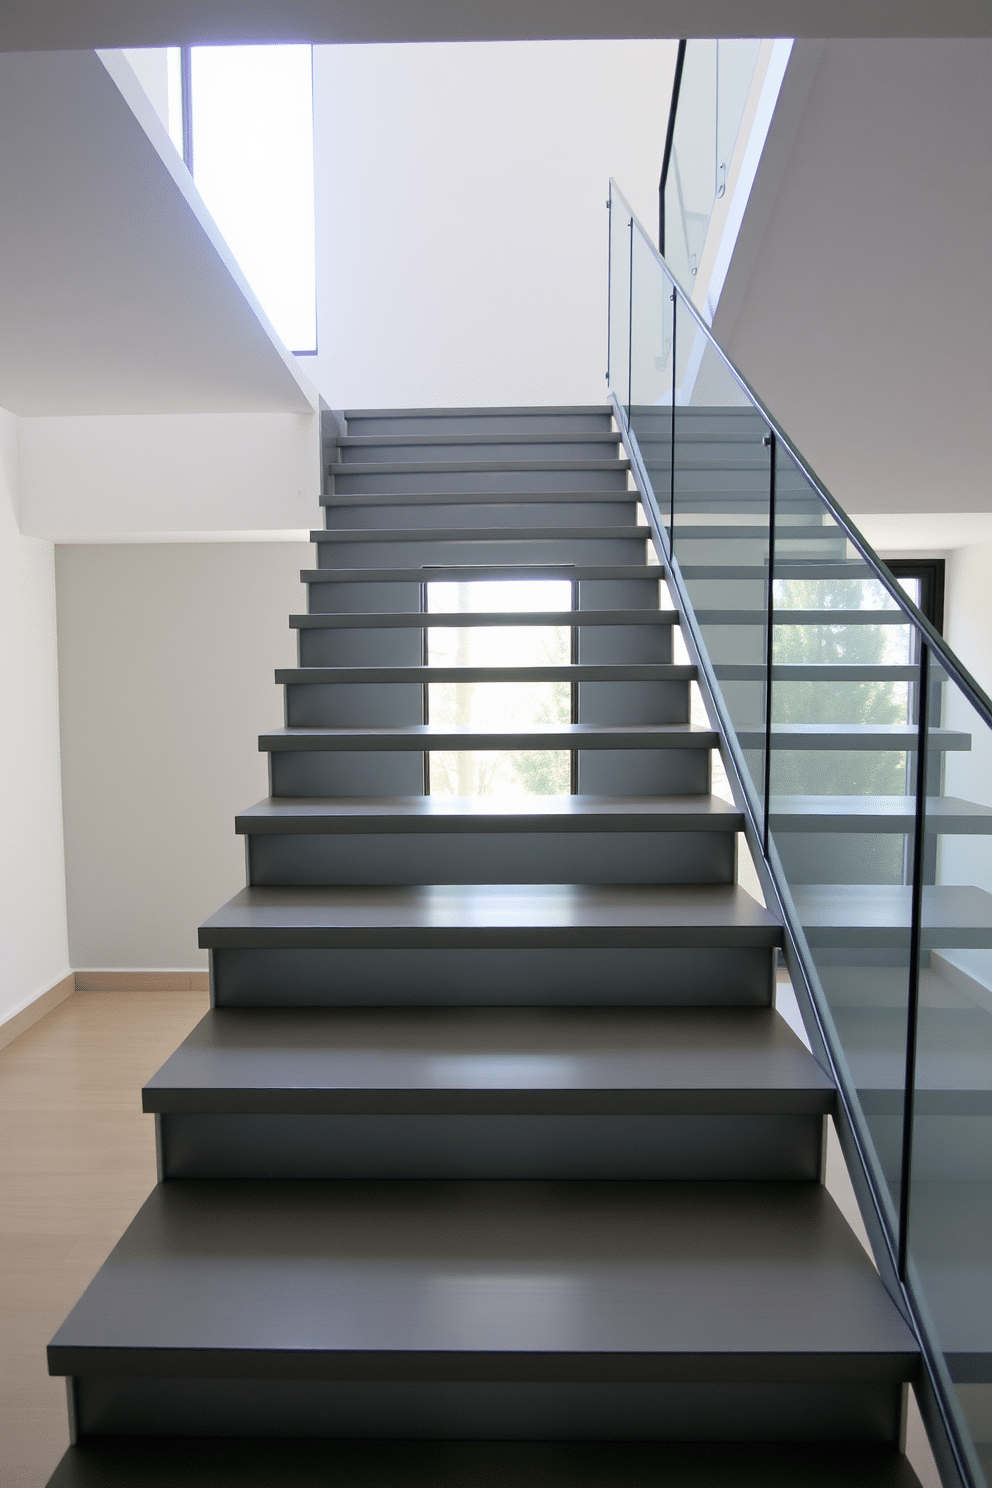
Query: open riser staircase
{"type": "Point", "coordinates": [492, 1160]}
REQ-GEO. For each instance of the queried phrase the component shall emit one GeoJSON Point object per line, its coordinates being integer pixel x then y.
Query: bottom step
{"type": "Point", "coordinates": [157, 1462]}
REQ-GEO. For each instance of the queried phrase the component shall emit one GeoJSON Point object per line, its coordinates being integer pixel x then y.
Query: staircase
{"type": "Point", "coordinates": [492, 1162]}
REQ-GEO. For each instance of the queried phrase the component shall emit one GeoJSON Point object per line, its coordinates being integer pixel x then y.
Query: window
{"type": "Point", "coordinates": [497, 705]}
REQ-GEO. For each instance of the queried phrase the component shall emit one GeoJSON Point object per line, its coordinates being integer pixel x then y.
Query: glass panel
{"type": "Point", "coordinates": [716, 80]}
{"type": "Point", "coordinates": [719, 521]}
{"type": "Point", "coordinates": [950, 1208]}
{"type": "Point", "coordinates": [691, 185]}
{"type": "Point", "coordinates": [619, 349]}
{"type": "Point", "coordinates": [495, 705]}
{"type": "Point", "coordinates": [842, 784]}
{"type": "Point", "coordinates": [652, 327]}
{"type": "Point", "coordinates": [735, 64]}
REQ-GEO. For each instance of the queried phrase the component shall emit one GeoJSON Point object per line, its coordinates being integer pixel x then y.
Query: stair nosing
{"type": "Point", "coordinates": [418, 736]}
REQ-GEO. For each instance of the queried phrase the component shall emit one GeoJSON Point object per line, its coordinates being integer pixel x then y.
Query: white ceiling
{"type": "Point", "coordinates": [28, 24]}
{"type": "Point", "coordinates": [117, 294]}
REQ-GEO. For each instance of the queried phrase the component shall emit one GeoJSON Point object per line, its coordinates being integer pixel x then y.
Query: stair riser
{"type": "Point", "coordinates": [506, 857]}
{"type": "Point", "coordinates": [520, 514]}
{"type": "Point", "coordinates": [345, 553]}
{"type": "Point", "coordinates": [384, 645]}
{"type": "Point", "coordinates": [495, 482]}
{"type": "Point", "coordinates": [858, 1410]}
{"type": "Point", "coordinates": [343, 703]}
{"type": "Point", "coordinates": [507, 448]}
{"type": "Point", "coordinates": [339, 598]}
{"type": "Point", "coordinates": [602, 772]}
{"type": "Point", "coordinates": [460, 1146]}
{"type": "Point", "coordinates": [689, 976]}
{"type": "Point", "coordinates": [560, 424]}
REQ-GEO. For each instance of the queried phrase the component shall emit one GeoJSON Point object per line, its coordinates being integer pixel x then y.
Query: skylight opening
{"type": "Point", "coordinates": [252, 149]}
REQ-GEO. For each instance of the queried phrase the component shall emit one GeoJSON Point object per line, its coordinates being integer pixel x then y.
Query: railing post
{"type": "Point", "coordinates": [630, 319]}
{"type": "Point", "coordinates": [609, 282]}
{"type": "Point", "coordinates": [916, 920]}
{"type": "Point", "coordinates": [772, 446]}
{"type": "Point", "coordinates": [671, 473]}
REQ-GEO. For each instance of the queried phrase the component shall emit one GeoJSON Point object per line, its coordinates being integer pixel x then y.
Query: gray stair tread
{"type": "Point", "coordinates": [485, 619]}
{"type": "Point", "coordinates": [493, 915]}
{"type": "Point", "coordinates": [830, 672]}
{"type": "Point", "coordinates": [420, 736]}
{"type": "Point", "coordinates": [508, 1060]}
{"type": "Point", "coordinates": [841, 569]}
{"type": "Point", "coordinates": [466, 572]}
{"type": "Point", "coordinates": [429, 467]}
{"type": "Point", "coordinates": [706, 615]}
{"type": "Point", "coordinates": [288, 1462]}
{"type": "Point", "coordinates": [694, 531]}
{"type": "Point", "coordinates": [553, 672]}
{"type": "Point", "coordinates": [475, 534]}
{"type": "Point", "coordinates": [869, 915]}
{"type": "Point", "coordinates": [485, 814]}
{"type": "Point", "coordinates": [876, 814]}
{"type": "Point", "coordinates": [535, 410]}
{"type": "Point", "coordinates": [507, 1280]}
{"type": "Point", "coordinates": [883, 736]}
{"type": "Point", "coordinates": [953, 1057]}
{"type": "Point", "coordinates": [461, 441]}
{"type": "Point", "coordinates": [950, 1226]}
{"type": "Point", "coordinates": [470, 498]}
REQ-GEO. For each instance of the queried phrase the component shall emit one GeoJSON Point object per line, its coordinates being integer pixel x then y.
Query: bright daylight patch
{"type": "Point", "coordinates": [253, 165]}
{"type": "Point", "coordinates": [498, 705]}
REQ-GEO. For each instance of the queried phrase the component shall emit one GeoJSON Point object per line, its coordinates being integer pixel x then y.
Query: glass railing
{"type": "Point", "coordinates": [862, 751]}
{"type": "Point", "coordinates": [714, 82]}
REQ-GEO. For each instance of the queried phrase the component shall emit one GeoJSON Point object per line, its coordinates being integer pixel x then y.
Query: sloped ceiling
{"type": "Point", "coordinates": [29, 24]}
{"type": "Point", "coordinates": [865, 321]}
{"type": "Point", "coordinates": [117, 294]}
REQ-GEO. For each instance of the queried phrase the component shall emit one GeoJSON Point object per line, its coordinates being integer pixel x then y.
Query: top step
{"type": "Point", "coordinates": [439, 421]}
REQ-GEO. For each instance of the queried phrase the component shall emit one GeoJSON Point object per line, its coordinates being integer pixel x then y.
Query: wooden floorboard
{"type": "Point", "coordinates": [77, 1158]}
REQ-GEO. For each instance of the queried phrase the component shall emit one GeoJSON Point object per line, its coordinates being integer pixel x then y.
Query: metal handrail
{"type": "Point", "coordinates": [669, 142]}
{"type": "Point", "coordinates": [950, 663]}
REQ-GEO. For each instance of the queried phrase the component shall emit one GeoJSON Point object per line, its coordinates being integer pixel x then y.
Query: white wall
{"type": "Point", "coordinates": [33, 949]}
{"type": "Point", "coordinates": [136, 476]}
{"type": "Point", "coordinates": [867, 319]}
{"type": "Point", "coordinates": [166, 655]}
{"type": "Point", "coordinates": [461, 222]}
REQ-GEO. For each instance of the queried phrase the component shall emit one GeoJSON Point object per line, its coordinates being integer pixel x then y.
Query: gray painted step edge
{"type": "Point", "coordinates": [447, 1060]}
{"type": "Point", "coordinates": [493, 915]}
{"type": "Point", "coordinates": [475, 534]}
{"type": "Point", "coordinates": [288, 1462]}
{"type": "Point", "coordinates": [452, 814]}
{"type": "Point", "coordinates": [466, 620]}
{"type": "Point", "coordinates": [657, 1282]}
{"type": "Point", "coordinates": [944, 814]}
{"type": "Point", "coordinates": [467, 572]}
{"type": "Point", "coordinates": [537, 736]}
{"type": "Point", "coordinates": [636, 672]}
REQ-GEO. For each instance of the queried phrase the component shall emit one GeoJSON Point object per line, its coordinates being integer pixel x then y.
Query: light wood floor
{"type": "Point", "coordinates": [77, 1158]}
